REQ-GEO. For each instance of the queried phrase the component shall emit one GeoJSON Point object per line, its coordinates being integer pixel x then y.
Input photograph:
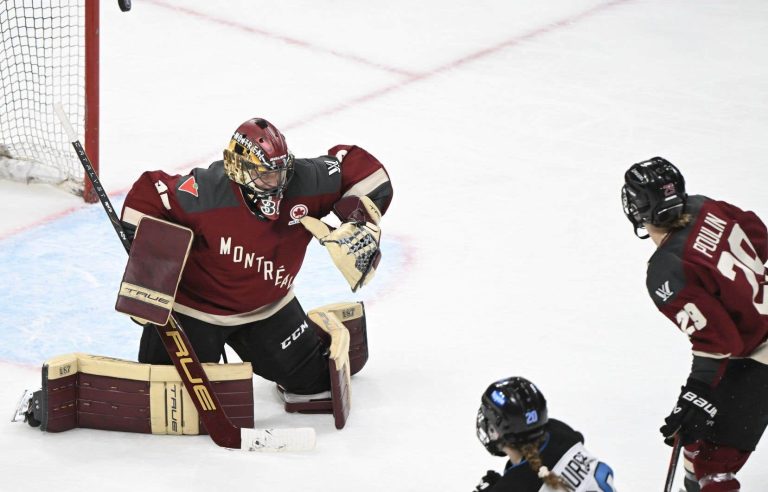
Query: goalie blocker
{"type": "Point", "coordinates": [156, 261]}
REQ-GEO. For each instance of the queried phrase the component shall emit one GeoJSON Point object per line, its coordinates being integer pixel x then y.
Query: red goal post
{"type": "Point", "coordinates": [49, 53]}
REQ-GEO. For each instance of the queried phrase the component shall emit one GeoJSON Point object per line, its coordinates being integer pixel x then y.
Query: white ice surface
{"type": "Point", "coordinates": [506, 127]}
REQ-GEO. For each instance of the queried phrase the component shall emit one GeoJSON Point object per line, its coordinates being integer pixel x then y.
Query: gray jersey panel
{"type": "Point", "coordinates": [214, 190]}
{"type": "Point", "coordinates": [666, 276]}
{"type": "Point", "coordinates": [312, 177]}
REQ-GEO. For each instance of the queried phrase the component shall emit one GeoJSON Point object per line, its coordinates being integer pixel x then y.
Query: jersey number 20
{"type": "Point", "coordinates": [742, 256]}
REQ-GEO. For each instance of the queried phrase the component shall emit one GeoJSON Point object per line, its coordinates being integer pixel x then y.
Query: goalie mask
{"type": "Point", "coordinates": [258, 159]}
{"type": "Point", "coordinates": [653, 193]}
{"type": "Point", "coordinates": [513, 411]}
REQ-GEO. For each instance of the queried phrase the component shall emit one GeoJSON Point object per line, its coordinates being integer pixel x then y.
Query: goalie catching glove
{"type": "Point", "coordinates": [353, 246]}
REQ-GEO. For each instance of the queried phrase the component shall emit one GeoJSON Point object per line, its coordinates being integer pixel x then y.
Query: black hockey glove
{"type": "Point", "coordinates": [693, 416]}
{"type": "Point", "coordinates": [488, 481]}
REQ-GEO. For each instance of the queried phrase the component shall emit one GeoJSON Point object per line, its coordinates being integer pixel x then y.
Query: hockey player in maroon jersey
{"type": "Point", "coordinates": [253, 215]}
{"type": "Point", "coordinates": [544, 454]}
{"type": "Point", "coordinates": [708, 277]}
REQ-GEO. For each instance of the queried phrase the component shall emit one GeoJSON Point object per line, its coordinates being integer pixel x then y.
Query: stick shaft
{"type": "Point", "coordinates": [673, 464]}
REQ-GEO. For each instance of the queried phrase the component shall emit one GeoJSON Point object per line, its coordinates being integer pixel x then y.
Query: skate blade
{"type": "Point", "coordinates": [22, 408]}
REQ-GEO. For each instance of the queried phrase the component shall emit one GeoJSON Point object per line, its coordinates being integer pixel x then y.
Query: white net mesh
{"type": "Point", "coordinates": [42, 61]}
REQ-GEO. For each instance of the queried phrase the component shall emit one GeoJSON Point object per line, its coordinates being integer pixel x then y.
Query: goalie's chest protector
{"type": "Point", "coordinates": [239, 262]}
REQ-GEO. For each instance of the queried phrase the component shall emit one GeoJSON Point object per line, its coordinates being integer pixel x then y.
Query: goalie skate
{"type": "Point", "coordinates": [317, 403]}
{"type": "Point", "coordinates": [25, 409]}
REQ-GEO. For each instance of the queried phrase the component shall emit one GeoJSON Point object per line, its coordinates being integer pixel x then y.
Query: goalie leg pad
{"type": "Point", "coordinates": [352, 315]}
{"type": "Point", "coordinates": [330, 327]}
{"type": "Point", "coordinates": [81, 390]}
{"type": "Point", "coordinates": [338, 363]}
{"type": "Point", "coordinates": [340, 392]}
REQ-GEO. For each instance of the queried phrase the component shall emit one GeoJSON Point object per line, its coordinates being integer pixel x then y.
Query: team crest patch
{"type": "Point", "coordinates": [189, 186]}
{"type": "Point", "coordinates": [297, 212]}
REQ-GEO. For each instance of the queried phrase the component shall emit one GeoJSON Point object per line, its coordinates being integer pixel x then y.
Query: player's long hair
{"type": "Point", "coordinates": [679, 222]}
{"type": "Point", "coordinates": [530, 452]}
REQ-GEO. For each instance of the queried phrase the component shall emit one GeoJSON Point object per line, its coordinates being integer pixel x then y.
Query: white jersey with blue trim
{"type": "Point", "coordinates": [582, 472]}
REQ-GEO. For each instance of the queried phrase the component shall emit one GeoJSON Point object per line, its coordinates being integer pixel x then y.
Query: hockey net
{"type": "Point", "coordinates": [48, 54]}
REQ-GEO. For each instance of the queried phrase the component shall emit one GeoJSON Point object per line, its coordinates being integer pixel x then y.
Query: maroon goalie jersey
{"type": "Point", "coordinates": [709, 278]}
{"type": "Point", "coordinates": [242, 268]}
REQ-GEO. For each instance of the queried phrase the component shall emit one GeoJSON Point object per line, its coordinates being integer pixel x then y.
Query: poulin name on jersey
{"type": "Point", "coordinates": [708, 238]}
{"type": "Point", "coordinates": [249, 260]}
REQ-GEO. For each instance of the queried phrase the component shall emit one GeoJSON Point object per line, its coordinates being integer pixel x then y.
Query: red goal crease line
{"type": "Point", "coordinates": [514, 41]}
{"type": "Point", "coordinates": [410, 76]}
{"type": "Point", "coordinates": [70, 210]}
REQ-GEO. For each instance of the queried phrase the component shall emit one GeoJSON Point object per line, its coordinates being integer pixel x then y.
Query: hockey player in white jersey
{"type": "Point", "coordinates": [545, 455]}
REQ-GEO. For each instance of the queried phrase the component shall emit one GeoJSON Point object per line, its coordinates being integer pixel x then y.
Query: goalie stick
{"type": "Point", "coordinates": [179, 349]}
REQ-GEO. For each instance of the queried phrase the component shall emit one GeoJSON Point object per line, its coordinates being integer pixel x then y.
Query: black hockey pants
{"type": "Point", "coordinates": [281, 348]}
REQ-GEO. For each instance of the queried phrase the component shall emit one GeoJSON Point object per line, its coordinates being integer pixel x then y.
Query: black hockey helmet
{"type": "Point", "coordinates": [653, 193]}
{"type": "Point", "coordinates": [512, 411]}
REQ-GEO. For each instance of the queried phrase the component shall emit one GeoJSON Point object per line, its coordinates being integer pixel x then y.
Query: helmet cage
{"type": "Point", "coordinates": [264, 178]}
{"type": "Point", "coordinates": [635, 208]}
{"type": "Point", "coordinates": [488, 435]}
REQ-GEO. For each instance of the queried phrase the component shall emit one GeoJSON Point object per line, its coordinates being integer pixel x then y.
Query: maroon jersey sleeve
{"type": "Point", "coordinates": [152, 194]}
{"type": "Point", "coordinates": [363, 174]}
{"type": "Point", "coordinates": [709, 279]}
